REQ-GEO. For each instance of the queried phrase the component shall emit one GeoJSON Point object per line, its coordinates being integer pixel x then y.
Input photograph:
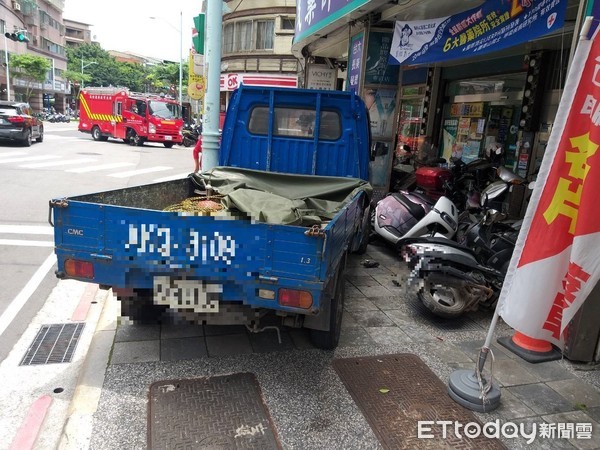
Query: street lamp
{"type": "Point", "coordinates": [83, 66]}
{"type": "Point", "coordinates": [180, 31]}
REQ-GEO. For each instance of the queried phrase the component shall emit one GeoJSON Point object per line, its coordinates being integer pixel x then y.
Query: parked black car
{"type": "Point", "coordinates": [17, 122]}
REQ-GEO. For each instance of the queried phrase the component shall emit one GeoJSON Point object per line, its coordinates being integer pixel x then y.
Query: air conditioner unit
{"type": "Point", "coordinates": [16, 6]}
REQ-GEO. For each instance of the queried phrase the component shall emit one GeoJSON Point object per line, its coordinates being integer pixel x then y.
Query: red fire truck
{"type": "Point", "coordinates": [136, 118]}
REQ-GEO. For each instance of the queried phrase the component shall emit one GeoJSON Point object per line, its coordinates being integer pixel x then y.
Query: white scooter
{"type": "Point", "coordinates": [402, 215]}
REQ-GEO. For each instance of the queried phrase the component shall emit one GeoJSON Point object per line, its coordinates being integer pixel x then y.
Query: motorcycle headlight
{"type": "Point", "coordinates": [152, 128]}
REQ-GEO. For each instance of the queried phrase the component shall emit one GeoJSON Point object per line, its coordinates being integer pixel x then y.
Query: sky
{"type": "Point", "coordinates": [126, 25]}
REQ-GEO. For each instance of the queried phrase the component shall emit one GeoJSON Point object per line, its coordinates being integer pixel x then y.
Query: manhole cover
{"type": "Point", "coordinates": [54, 343]}
{"type": "Point", "coordinates": [223, 412]}
{"type": "Point", "coordinates": [395, 392]}
{"type": "Point", "coordinates": [88, 153]}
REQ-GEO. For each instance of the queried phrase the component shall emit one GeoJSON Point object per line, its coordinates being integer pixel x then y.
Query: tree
{"type": "Point", "coordinates": [29, 68]}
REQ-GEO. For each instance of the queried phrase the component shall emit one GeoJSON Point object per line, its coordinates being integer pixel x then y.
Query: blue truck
{"type": "Point", "coordinates": [292, 185]}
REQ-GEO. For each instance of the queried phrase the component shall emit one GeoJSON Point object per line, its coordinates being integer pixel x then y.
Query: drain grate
{"type": "Point", "coordinates": [53, 344]}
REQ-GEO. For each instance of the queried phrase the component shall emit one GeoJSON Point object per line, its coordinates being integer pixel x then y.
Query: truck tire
{"type": "Point", "coordinates": [140, 308]}
{"type": "Point", "coordinates": [96, 133]}
{"type": "Point", "coordinates": [366, 233]}
{"type": "Point", "coordinates": [168, 144]}
{"type": "Point", "coordinates": [328, 340]}
{"type": "Point", "coordinates": [447, 302]}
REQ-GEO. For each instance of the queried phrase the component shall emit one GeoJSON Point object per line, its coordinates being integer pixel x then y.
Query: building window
{"type": "Point", "coordinates": [264, 34]}
{"type": "Point", "coordinates": [288, 23]}
{"type": "Point", "coordinates": [2, 26]}
{"type": "Point", "coordinates": [248, 35]}
{"type": "Point", "coordinates": [228, 38]}
{"type": "Point", "coordinates": [243, 36]}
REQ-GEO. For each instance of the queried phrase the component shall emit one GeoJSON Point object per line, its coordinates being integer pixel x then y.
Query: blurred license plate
{"type": "Point", "coordinates": [187, 294]}
{"type": "Point", "coordinates": [168, 138]}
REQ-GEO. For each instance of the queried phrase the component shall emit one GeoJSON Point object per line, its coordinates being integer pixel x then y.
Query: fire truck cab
{"type": "Point", "coordinates": [133, 117]}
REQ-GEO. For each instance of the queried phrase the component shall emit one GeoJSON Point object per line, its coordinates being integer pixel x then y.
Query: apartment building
{"type": "Point", "coordinates": [43, 23]}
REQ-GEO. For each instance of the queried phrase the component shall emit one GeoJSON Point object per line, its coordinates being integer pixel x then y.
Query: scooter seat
{"type": "Point", "coordinates": [415, 209]}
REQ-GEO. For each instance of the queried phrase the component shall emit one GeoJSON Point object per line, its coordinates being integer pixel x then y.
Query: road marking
{"type": "Point", "coordinates": [27, 229]}
{"type": "Point", "coordinates": [174, 177]}
{"type": "Point", "coordinates": [132, 173]}
{"type": "Point", "coordinates": [12, 154]}
{"type": "Point", "coordinates": [22, 243]}
{"type": "Point", "coordinates": [29, 158]}
{"type": "Point", "coordinates": [100, 167]}
{"type": "Point", "coordinates": [56, 138]}
{"type": "Point", "coordinates": [58, 163]}
{"type": "Point", "coordinates": [30, 428]}
{"type": "Point", "coordinates": [22, 297]}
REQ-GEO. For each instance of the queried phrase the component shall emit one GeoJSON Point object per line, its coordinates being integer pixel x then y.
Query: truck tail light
{"type": "Point", "coordinates": [295, 298]}
{"type": "Point", "coordinates": [80, 269]}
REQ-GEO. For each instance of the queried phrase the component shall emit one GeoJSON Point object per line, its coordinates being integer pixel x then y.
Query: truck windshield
{"type": "Point", "coordinates": [164, 110]}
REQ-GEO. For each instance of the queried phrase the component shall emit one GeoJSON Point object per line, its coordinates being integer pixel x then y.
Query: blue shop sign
{"type": "Point", "coordinates": [495, 25]}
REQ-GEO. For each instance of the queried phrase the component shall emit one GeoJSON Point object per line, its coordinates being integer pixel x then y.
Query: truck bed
{"type": "Point", "coordinates": [129, 240]}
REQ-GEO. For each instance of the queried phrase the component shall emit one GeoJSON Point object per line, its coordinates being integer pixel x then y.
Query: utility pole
{"type": "Point", "coordinates": [212, 102]}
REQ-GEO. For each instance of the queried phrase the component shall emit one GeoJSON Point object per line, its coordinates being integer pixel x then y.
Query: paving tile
{"type": "Point", "coordinates": [547, 371]}
{"type": "Point", "coordinates": [510, 373]}
{"type": "Point", "coordinates": [354, 337]}
{"type": "Point", "coordinates": [349, 322]}
{"type": "Point", "coordinates": [579, 439]}
{"type": "Point", "coordinates": [594, 413]}
{"type": "Point", "coordinates": [353, 292]}
{"type": "Point", "coordinates": [389, 302]}
{"type": "Point", "coordinates": [359, 304]}
{"type": "Point", "coordinates": [375, 291]}
{"type": "Point", "coordinates": [578, 392]}
{"type": "Point", "coordinates": [267, 341]}
{"type": "Point", "coordinates": [449, 353]}
{"type": "Point", "coordinates": [372, 318]}
{"type": "Point", "coordinates": [180, 330]}
{"type": "Point", "coordinates": [538, 443]}
{"type": "Point", "coordinates": [541, 398]}
{"type": "Point", "coordinates": [399, 317]}
{"type": "Point", "coordinates": [418, 334]}
{"type": "Point", "coordinates": [301, 337]}
{"type": "Point", "coordinates": [362, 281]}
{"type": "Point", "coordinates": [137, 332]}
{"type": "Point", "coordinates": [182, 348]}
{"type": "Point", "coordinates": [229, 344]}
{"type": "Point", "coordinates": [472, 348]}
{"type": "Point", "coordinates": [388, 335]}
{"type": "Point", "coordinates": [220, 330]}
{"type": "Point", "coordinates": [135, 352]}
{"type": "Point", "coordinates": [511, 407]}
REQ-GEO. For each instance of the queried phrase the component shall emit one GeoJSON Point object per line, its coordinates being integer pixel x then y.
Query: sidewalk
{"type": "Point", "coordinates": [309, 405]}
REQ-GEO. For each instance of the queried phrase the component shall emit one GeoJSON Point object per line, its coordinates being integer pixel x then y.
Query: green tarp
{"type": "Point", "coordinates": [279, 198]}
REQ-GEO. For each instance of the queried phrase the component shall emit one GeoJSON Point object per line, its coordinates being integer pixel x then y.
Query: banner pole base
{"type": "Point", "coordinates": [464, 389]}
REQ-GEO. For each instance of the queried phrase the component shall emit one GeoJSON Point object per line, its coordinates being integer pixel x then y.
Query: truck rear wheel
{"type": "Point", "coordinates": [168, 144]}
{"type": "Point", "coordinates": [140, 308]}
{"type": "Point", "coordinates": [96, 133]}
{"type": "Point", "coordinates": [328, 340]}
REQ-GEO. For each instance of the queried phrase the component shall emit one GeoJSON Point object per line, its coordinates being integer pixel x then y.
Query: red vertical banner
{"type": "Point", "coordinates": [556, 262]}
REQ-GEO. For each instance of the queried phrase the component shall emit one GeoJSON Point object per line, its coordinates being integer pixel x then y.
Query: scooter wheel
{"type": "Point", "coordinates": [444, 301]}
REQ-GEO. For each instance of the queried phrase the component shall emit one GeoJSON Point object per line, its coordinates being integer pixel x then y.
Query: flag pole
{"type": "Point", "coordinates": [472, 389]}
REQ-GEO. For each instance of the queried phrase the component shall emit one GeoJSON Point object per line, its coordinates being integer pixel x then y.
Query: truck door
{"type": "Point", "coordinates": [117, 122]}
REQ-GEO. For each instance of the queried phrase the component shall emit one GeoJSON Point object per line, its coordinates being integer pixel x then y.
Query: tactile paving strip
{"type": "Point", "coordinates": [221, 412]}
{"type": "Point", "coordinates": [395, 392]}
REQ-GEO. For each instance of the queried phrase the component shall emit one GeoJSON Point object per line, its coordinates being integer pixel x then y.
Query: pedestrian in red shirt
{"type": "Point", "coordinates": [197, 154]}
